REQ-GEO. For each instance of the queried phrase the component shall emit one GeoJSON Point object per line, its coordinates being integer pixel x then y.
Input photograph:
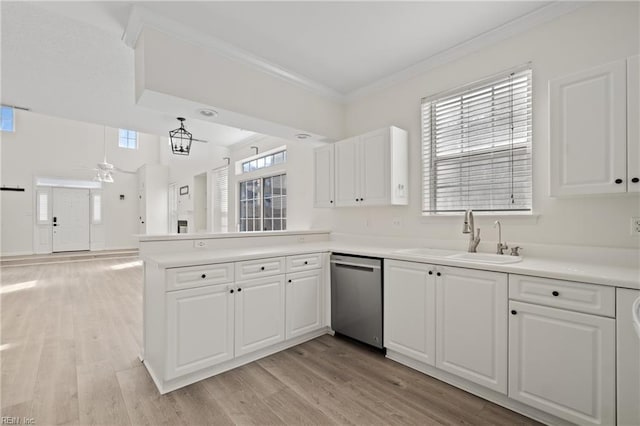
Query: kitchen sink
{"type": "Point", "coordinates": [486, 258]}
{"type": "Point", "coordinates": [429, 252]}
{"type": "Point", "coordinates": [496, 259]}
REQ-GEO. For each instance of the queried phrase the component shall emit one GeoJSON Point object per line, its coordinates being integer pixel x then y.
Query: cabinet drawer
{"type": "Point", "coordinates": [251, 269]}
{"type": "Point", "coordinates": [199, 276]}
{"type": "Point", "coordinates": [304, 262]}
{"type": "Point", "coordinates": [581, 297]}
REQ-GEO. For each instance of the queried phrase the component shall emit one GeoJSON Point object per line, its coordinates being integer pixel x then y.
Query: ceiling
{"type": "Point", "coordinates": [68, 59]}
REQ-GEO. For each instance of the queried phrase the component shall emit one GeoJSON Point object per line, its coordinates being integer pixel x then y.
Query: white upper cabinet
{"type": "Point", "coordinates": [633, 124]}
{"type": "Point", "coordinates": [347, 172]}
{"type": "Point", "coordinates": [375, 173]}
{"type": "Point", "coordinates": [589, 117]}
{"type": "Point", "coordinates": [323, 185]}
{"type": "Point", "coordinates": [369, 170]}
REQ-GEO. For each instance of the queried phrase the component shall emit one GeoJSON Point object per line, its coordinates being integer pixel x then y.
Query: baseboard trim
{"type": "Point", "coordinates": [174, 384]}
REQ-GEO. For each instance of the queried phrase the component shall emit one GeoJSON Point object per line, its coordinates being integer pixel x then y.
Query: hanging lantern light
{"type": "Point", "coordinates": [180, 139]}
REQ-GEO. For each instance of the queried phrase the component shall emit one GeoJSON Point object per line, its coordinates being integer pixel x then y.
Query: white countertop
{"type": "Point", "coordinates": [223, 235]}
{"type": "Point", "coordinates": [616, 276]}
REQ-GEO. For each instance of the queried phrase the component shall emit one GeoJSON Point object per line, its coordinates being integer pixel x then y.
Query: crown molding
{"type": "Point", "coordinates": [140, 17]}
{"type": "Point", "coordinates": [519, 25]}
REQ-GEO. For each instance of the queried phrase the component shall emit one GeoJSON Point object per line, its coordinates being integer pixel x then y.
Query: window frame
{"type": "Point", "coordinates": [96, 195]}
{"type": "Point", "coordinates": [4, 108]}
{"type": "Point", "coordinates": [427, 161]}
{"type": "Point", "coordinates": [262, 178]}
{"type": "Point", "coordinates": [46, 192]}
{"type": "Point", "coordinates": [239, 165]}
{"type": "Point", "coordinates": [127, 138]}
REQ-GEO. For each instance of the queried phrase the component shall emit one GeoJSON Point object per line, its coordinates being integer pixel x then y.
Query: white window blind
{"type": "Point", "coordinates": [476, 145]}
{"type": "Point", "coordinates": [221, 199]}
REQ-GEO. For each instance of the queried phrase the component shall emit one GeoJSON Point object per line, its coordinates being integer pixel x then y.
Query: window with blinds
{"type": "Point", "coordinates": [476, 146]}
{"type": "Point", "coordinates": [221, 199]}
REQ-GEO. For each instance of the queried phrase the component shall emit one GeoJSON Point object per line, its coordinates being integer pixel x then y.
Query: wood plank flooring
{"type": "Point", "coordinates": [68, 355]}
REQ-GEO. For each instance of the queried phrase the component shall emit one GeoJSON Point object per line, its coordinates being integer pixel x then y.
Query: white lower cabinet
{"type": "Point", "coordinates": [409, 309]}
{"type": "Point", "coordinates": [471, 325]}
{"type": "Point", "coordinates": [304, 303]}
{"type": "Point", "coordinates": [259, 313]}
{"type": "Point", "coordinates": [563, 363]}
{"type": "Point", "coordinates": [200, 330]}
{"type": "Point", "coordinates": [451, 318]}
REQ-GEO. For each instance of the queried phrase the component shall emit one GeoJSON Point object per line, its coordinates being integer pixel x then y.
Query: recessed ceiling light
{"type": "Point", "coordinates": [303, 136]}
{"type": "Point", "coordinates": [208, 112]}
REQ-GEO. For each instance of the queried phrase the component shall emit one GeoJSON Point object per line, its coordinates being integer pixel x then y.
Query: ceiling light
{"type": "Point", "coordinates": [303, 136]}
{"type": "Point", "coordinates": [103, 176]}
{"type": "Point", "coordinates": [180, 139]}
{"type": "Point", "coordinates": [208, 112]}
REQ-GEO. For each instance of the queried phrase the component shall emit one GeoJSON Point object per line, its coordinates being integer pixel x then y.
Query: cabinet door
{"type": "Point", "coordinates": [347, 171]}
{"type": "Point", "coordinates": [200, 329]}
{"type": "Point", "coordinates": [304, 303]}
{"type": "Point", "coordinates": [375, 180]}
{"type": "Point", "coordinates": [323, 188]}
{"type": "Point", "coordinates": [410, 310]}
{"type": "Point", "coordinates": [471, 325]}
{"type": "Point", "coordinates": [259, 313]}
{"type": "Point", "coordinates": [633, 124]}
{"type": "Point", "coordinates": [563, 363]}
{"type": "Point", "coordinates": [588, 131]}
{"type": "Point", "coordinates": [627, 359]}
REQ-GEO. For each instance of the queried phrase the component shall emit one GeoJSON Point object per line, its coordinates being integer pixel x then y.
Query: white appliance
{"type": "Point", "coordinates": [628, 355]}
{"type": "Point", "coordinates": [635, 313]}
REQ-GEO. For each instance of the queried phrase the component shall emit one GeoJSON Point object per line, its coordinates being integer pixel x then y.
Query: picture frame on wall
{"type": "Point", "coordinates": [184, 190]}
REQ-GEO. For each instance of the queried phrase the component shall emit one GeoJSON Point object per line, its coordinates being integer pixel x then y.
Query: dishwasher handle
{"type": "Point", "coordinates": [364, 267]}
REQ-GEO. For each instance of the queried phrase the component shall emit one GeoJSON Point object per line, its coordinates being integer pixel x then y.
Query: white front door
{"type": "Point", "coordinates": [70, 219]}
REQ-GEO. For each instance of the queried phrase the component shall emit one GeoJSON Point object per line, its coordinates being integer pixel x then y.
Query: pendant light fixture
{"type": "Point", "coordinates": [104, 169]}
{"type": "Point", "coordinates": [180, 139]}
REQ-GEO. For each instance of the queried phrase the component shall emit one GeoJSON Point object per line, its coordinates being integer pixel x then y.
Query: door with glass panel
{"type": "Point", "coordinates": [263, 204]}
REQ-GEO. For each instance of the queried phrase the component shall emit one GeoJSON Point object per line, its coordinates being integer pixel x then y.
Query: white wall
{"type": "Point", "coordinates": [299, 170]}
{"type": "Point", "coordinates": [243, 95]}
{"type": "Point", "coordinates": [54, 147]}
{"type": "Point", "coordinates": [594, 34]}
{"type": "Point", "coordinates": [203, 158]}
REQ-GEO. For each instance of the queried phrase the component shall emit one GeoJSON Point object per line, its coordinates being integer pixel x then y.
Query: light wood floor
{"type": "Point", "coordinates": [69, 346]}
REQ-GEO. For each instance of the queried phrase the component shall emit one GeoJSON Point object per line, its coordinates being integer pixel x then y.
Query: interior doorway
{"type": "Point", "coordinates": [200, 209]}
{"type": "Point", "coordinates": [70, 219]}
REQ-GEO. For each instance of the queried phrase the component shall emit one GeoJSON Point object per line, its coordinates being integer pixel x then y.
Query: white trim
{"type": "Point", "coordinates": [40, 191]}
{"type": "Point", "coordinates": [239, 163]}
{"type": "Point", "coordinates": [66, 183]}
{"type": "Point", "coordinates": [140, 17]}
{"type": "Point", "coordinates": [505, 31]}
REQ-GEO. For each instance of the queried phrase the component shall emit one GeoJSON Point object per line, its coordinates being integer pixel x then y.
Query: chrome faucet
{"type": "Point", "coordinates": [500, 246]}
{"type": "Point", "coordinates": [468, 228]}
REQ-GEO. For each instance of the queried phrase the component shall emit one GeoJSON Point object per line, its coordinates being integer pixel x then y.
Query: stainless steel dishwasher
{"type": "Point", "coordinates": [356, 298]}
